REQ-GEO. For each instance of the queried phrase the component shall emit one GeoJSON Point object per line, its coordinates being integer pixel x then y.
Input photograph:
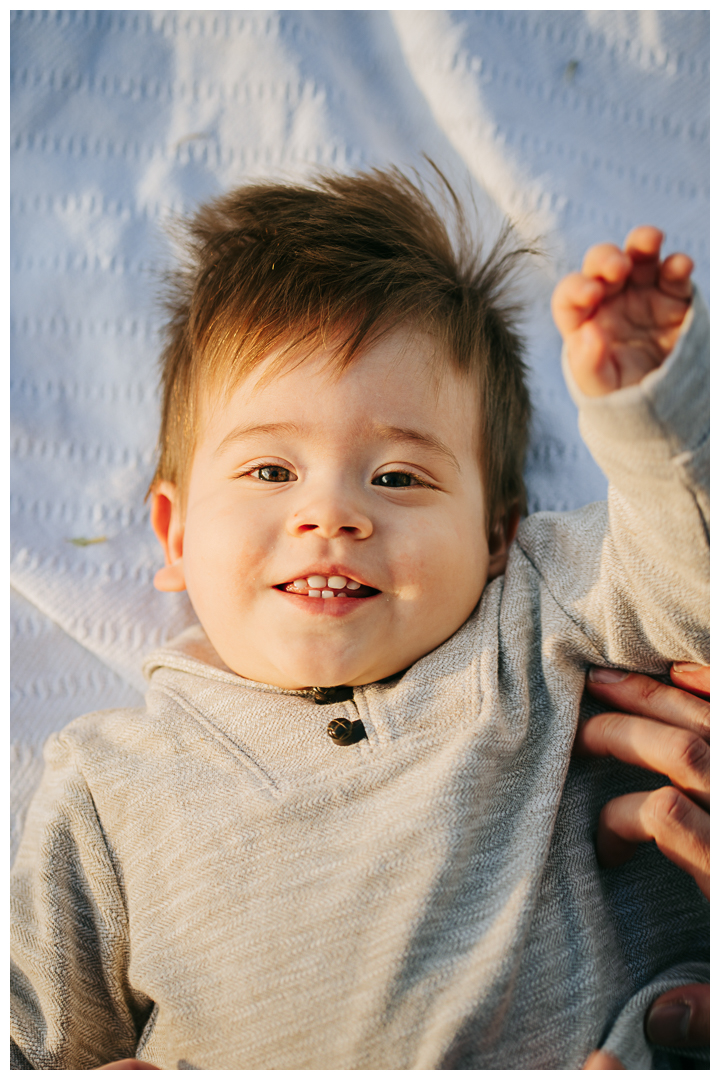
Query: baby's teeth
{"type": "Point", "coordinates": [353, 584]}
{"type": "Point", "coordinates": [317, 581]}
{"type": "Point", "coordinates": [327, 594]}
{"type": "Point", "coordinates": [342, 594]}
{"type": "Point", "coordinates": [315, 592]}
{"type": "Point", "coordinates": [337, 582]}
{"type": "Point", "coordinates": [301, 583]}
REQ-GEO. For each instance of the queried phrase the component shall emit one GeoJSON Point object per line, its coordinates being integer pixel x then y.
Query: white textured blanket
{"type": "Point", "coordinates": [579, 124]}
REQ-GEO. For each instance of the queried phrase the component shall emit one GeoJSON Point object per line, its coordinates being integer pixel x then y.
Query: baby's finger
{"type": "Point", "coordinates": [591, 362]}
{"type": "Point", "coordinates": [610, 264]}
{"type": "Point", "coordinates": [643, 246]}
{"type": "Point", "coordinates": [574, 300]}
{"type": "Point", "coordinates": [679, 827]}
{"type": "Point", "coordinates": [645, 240]}
{"type": "Point", "coordinates": [674, 279]}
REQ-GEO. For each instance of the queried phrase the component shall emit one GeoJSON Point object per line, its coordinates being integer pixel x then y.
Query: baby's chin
{"type": "Point", "coordinates": [307, 678]}
{"type": "Point", "coordinates": [302, 676]}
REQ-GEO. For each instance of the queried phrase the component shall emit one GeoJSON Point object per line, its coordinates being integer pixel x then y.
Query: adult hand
{"type": "Point", "coordinates": [669, 733]}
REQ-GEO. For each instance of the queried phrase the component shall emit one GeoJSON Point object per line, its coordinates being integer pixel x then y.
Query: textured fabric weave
{"type": "Point", "coordinates": [210, 882]}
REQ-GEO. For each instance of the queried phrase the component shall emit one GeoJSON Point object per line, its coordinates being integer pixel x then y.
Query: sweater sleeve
{"type": "Point", "coordinates": [71, 1003]}
{"type": "Point", "coordinates": [633, 574]}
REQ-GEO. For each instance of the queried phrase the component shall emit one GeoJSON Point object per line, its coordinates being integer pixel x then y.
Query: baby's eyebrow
{"type": "Point", "coordinates": [280, 427]}
{"type": "Point", "coordinates": [422, 438]}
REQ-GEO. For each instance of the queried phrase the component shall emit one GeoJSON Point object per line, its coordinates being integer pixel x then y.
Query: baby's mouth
{"type": "Point", "coordinates": [327, 588]}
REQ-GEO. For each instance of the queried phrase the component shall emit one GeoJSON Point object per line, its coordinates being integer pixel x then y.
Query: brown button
{"type": "Point", "coordinates": [329, 695]}
{"type": "Point", "coordinates": [346, 732]}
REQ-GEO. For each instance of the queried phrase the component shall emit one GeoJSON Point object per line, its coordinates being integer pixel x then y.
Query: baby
{"type": "Point", "coordinates": [343, 833]}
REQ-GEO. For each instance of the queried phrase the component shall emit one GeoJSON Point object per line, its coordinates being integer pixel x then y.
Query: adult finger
{"type": "Point", "coordinates": [601, 1059]}
{"type": "Point", "coordinates": [680, 1018]}
{"type": "Point", "coordinates": [672, 751]}
{"type": "Point", "coordinates": [679, 827]}
{"type": "Point", "coordinates": [692, 677]}
{"type": "Point", "coordinates": [643, 696]}
{"type": "Point", "coordinates": [127, 1063]}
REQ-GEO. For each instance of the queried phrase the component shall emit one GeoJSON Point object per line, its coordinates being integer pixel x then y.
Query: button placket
{"type": "Point", "coordinates": [343, 730]}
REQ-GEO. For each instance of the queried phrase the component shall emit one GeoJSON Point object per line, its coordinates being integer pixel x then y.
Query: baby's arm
{"type": "Point", "coordinates": [621, 315]}
{"type": "Point", "coordinates": [72, 1002]}
{"type": "Point", "coordinates": [632, 573]}
{"type": "Point", "coordinates": [620, 318]}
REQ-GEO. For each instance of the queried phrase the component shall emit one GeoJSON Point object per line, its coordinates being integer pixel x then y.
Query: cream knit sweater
{"type": "Point", "coordinates": [211, 882]}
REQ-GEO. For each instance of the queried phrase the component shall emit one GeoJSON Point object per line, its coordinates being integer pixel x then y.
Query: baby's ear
{"type": "Point", "coordinates": [501, 537]}
{"type": "Point", "coordinates": [167, 521]}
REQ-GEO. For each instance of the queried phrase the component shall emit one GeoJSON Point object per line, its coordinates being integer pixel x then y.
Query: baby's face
{"type": "Point", "coordinates": [334, 530]}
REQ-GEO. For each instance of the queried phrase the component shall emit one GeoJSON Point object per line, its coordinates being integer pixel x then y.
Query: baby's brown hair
{"type": "Point", "coordinates": [340, 261]}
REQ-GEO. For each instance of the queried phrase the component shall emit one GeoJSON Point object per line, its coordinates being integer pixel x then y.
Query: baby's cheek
{"type": "Point", "coordinates": [452, 580]}
{"type": "Point", "coordinates": [415, 569]}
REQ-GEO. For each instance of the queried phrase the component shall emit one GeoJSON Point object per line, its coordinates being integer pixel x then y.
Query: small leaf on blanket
{"type": "Point", "coordinates": [83, 541]}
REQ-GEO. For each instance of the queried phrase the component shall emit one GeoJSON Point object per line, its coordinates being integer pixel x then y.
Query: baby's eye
{"type": "Point", "coordinates": [273, 474]}
{"type": "Point", "coordinates": [397, 479]}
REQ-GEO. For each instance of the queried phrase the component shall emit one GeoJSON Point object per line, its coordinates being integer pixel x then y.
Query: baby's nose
{"type": "Point", "coordinates": [331, 517]}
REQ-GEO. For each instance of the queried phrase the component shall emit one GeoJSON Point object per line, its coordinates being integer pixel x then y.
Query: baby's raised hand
{"type": "Point", "coordinates": [621, 316]}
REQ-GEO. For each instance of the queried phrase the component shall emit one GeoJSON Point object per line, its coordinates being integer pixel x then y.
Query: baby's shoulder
{"type": "Point", "coordinates": [109, 732]}
{"type": "Point", "coordinates": [563, 542]}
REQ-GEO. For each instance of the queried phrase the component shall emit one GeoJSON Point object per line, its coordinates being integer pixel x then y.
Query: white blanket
{"type": "Point", "coordinates": [577, 124]}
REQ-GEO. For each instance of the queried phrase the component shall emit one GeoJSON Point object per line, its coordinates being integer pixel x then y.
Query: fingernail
{"type": "Point", "coordinates": [605, 674]}
{"type": "Point", "coordinates": [687, 666]}
{"type": "Point", "coordinates": [669, 1025]}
